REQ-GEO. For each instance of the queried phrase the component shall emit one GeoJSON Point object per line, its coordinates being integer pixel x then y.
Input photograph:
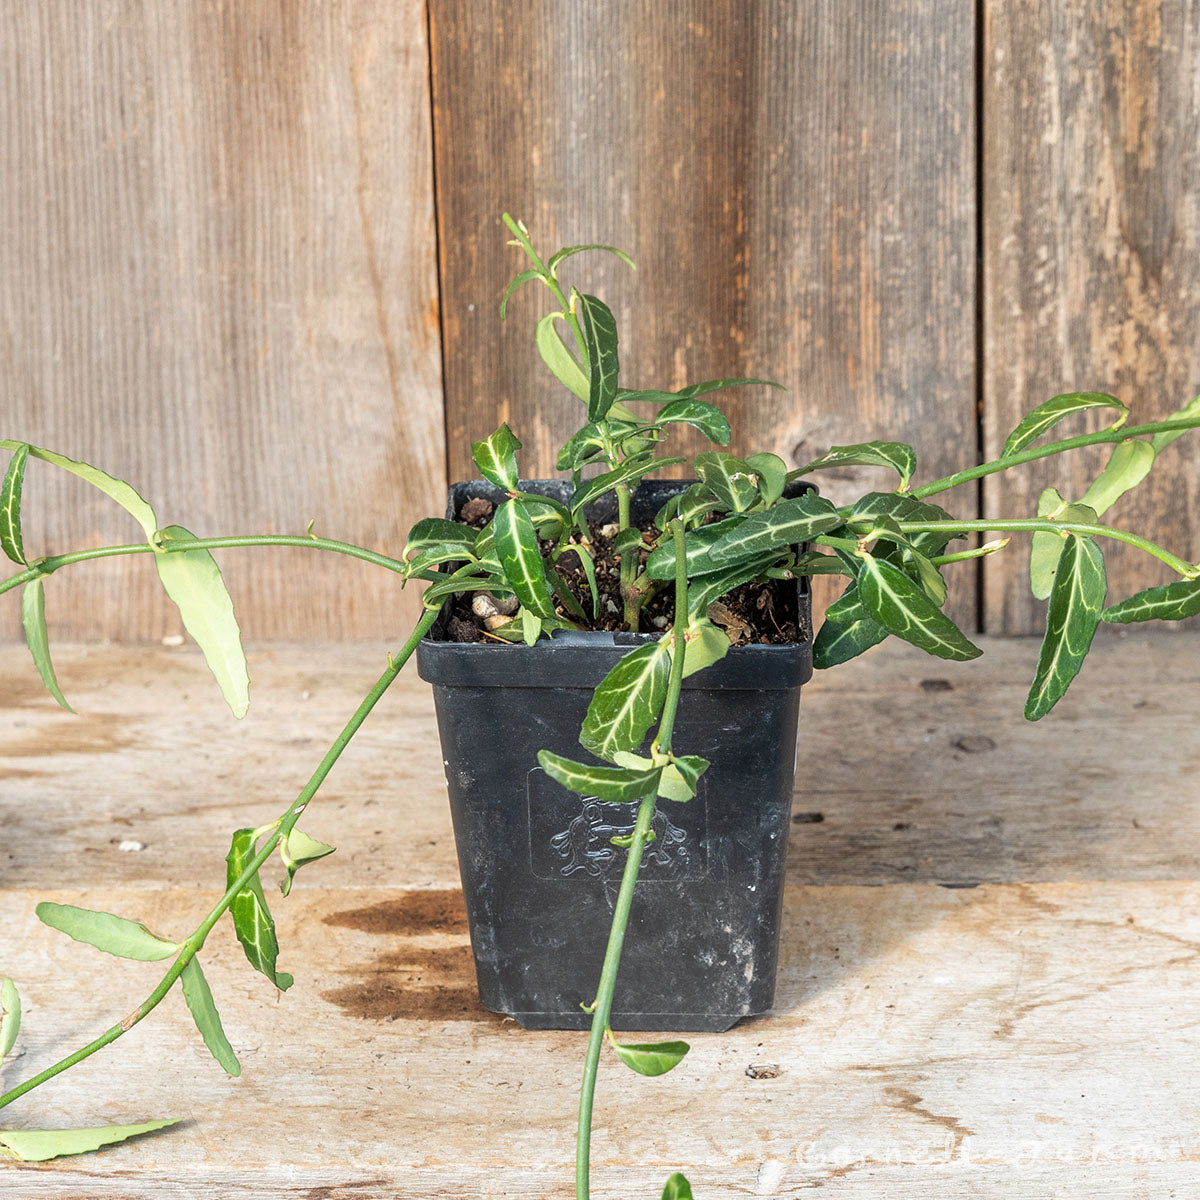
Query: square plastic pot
{"type": "Point", "coordinates": [539, 871]}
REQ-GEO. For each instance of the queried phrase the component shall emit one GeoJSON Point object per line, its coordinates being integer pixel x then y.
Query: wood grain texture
{"type": "Point", "coordinates": [218, 280]}
{"type": "Point", "coordinates": [154, 747]}
{"type": "Point", "coordinates": [1092, 251]}
{"type": "Point", "coordinates": [1020, 1040]}
{"type": "Point", "coordinates": [795, 183]}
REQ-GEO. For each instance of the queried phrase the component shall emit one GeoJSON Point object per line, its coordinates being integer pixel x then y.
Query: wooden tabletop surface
{"type": "Point", "coordinates": [989, 978]}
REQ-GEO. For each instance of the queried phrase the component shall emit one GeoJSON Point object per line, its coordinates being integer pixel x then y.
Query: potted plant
{"type": "Point", "coordinates": [649, 615]}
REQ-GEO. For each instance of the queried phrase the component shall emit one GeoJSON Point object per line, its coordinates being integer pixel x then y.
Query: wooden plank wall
{"type": "Point", "coordinates": [795, 182]}
{"type": "Point", "coordinates": [217, 279]}
{"type": "Point", "coordinates": [1092, 223]}
{"type": "Point", "coordinates": [217, 268]}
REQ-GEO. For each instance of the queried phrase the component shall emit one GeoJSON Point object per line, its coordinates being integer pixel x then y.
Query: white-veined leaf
{"type": "Point", "coordinates": [10, 505]}
{"type": "Point", "coordinates": [114, 489]}
{"type": "Point", "coordinates": [627, 701]}
{"type": "Point", "coordinates": [1046, 416]}
{"type": "Point", "coordinates": [1076, 601]}
{"type": "Point", "coordinates": [616, 784]}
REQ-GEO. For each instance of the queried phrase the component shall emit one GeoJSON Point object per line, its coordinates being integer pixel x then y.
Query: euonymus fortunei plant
{"type": "Point", "coordinates": [740, 522]}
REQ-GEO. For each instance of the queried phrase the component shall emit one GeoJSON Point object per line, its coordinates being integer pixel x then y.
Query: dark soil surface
{"type": "Point", "coordinates": [755, 613]}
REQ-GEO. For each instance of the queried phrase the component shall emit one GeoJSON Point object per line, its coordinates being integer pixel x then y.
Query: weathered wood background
{"type": "Point", "coordinates": [251, 256]}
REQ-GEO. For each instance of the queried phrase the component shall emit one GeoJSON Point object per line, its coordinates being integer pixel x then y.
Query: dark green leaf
{"type": "Point", "coordinates": [704, 589]}
{"type": "Point", "coordinates": [1171, 602]}
{"type": "Point", "coordinates": [732, 480]}
{"type": "Point", "coordinates": [566, 252]}
{"type": "Point", "coordinates": [436, 540]}
{"type": "Point", "coordinates": [1046, 416]}
{"type": "Point", "coordinates": [203, 1008]}
{"type": "Point", "coordinates": [900, 457]}
{"type": "Point", "coordinates": [452, 585]}
{"type": "Point", "coordinates": [772, 475]}
{"type": "Point", "coordinates": [565, 595]}
{"type": "Point", "coordinates": [900, 507]}
{"type": "Point", "coordinates": [10, 1016]}
{"type": "Point", "coordinates": [33, 617]}
{"type": "Point", "coordinates": [629, 470]}
{"type": "Point", "coordinates": [524, 568]}
{"type": "Point", "coordinates": [650, 1058]}
{"type": "Point", "coordinates": [689, 506]}
{"type": "Point", "coordinates": [814, 562]}
{"type": "Point", "coordinates": [840, 641]}
{"type": "Point", "coordinates": [599, 328]}
{"type": "Point", "coordinates": [589, 569]}
{"type": "Point", "coordinates": [847, 607]}
{"type": "Point", "coordinates": [1076, 600]}
{"type": "Point", "coordinates": [677, 1188]}
{"type": "Point", "coordinates": [697, 546]}
{"type": "Point", "coordinates": [787, 524]}
{"type": "Point", "coordinates": [654, 396]}
{"type": "Point", "coordinates": [707, 418]}
{"type": "Point", "coordinates": [627, 701]}
{"type": "Point", "coordinates": [1128, 464]}
{"type": "Point", "coordinates": [193, 580]}
{"type": "Point", "coordinates": [114, 935]}
{"type": "Point", "coordinates": [252, 919]}
{"type": "Point", "coordinates": [41, 1145]}
{"type": "Point", "coordinates": [918, 566]}
{"type": "Point", "coordinates": [562, 363]}
{"type": "Point", "coordinates": [521, 279]}
{"type": "Point", "coordinates": [580, 449]}
{"type": "Point", "coordinates": [604, 783]}
{"type": "Point", "coordinates": [297, 850]}
{"type": "Point", "coordinates": [114, 489]}
{"type": "Point", "coordinates": [10, 506]}
{"type": "Point", "coordinates": [496, 458]}
{"type": "Point", "coordinates": [899, 605]}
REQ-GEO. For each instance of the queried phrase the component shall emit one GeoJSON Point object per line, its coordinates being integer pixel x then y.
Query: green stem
{"type": "Point", "coordinates": [1075, 443]}
{"type": "Point", "coordinates": [629, 560]}
{"type": "Point", "coordinates": [286, 824]}
{"type": "Point", "coordinates": [602, 1009]}
{"type": "Point", "coordinates": [549, 280]}
{"type": "Point", "coordinates": [46, 566]}
{"type": "Point", "coordinates": [1040, 525]}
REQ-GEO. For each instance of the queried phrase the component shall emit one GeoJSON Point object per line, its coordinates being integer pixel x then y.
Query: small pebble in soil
{"type": "Point", "coordinates": [476, 511]}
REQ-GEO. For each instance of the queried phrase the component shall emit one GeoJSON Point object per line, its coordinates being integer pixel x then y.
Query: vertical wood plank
{"type": "Point", "coordinates": [1092, 244]}
{"type": "Point", "coordinates": [218, 280]}
{"type": "Point", "coordinates": [796, 183]}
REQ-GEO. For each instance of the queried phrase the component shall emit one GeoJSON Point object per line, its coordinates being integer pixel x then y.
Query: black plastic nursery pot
{"type": "Point", "coordinates": [539, 871]}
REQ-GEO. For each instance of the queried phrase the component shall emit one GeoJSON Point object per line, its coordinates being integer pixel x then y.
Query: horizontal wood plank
{"type": "Point", "coordinates": [926, 1039]}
